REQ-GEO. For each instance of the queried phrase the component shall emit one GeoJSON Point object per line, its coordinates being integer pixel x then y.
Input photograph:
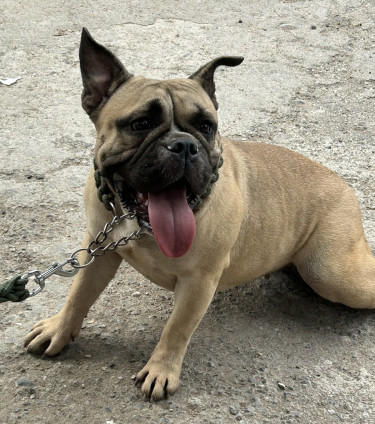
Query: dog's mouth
{"type": "Point", "coordinates": [168, 213]}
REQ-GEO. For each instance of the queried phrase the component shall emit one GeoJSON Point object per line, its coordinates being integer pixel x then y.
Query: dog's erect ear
{"type": "Point", "coordinates": [205, 75]}
{"type": "Point", "coordinates": [102, 74]}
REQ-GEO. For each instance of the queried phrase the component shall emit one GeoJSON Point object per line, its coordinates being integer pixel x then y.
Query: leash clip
{"type": "Point", "coordinates": [56, 268]}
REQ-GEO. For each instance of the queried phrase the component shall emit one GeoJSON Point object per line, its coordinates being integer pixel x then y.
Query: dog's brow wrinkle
{"type": "Point", "coordinates": [174, 126]}
{"type": "Point", "coordinates": [201, 113]}
{"type": "Point", "coordinates": [152, 108]}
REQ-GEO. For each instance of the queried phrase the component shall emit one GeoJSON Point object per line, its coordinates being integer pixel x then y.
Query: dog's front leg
{"type": "Point", "coordinates": [48, 337]}
{"type": "Point", "coordinates": [160, 377]}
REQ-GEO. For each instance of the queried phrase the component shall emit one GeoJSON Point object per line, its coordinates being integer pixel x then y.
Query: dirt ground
{"type": "Point", "coordinates": [271, 351]}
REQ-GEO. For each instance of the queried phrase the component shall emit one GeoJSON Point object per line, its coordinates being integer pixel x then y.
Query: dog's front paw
{"type": "Point", "coordinates": [48, 337]}
{"type": "Point", "coordinates": [159, 378]}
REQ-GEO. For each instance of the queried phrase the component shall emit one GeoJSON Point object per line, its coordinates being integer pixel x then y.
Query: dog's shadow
{"type": "Point", "coordinates": [248, 324]}
{"type": "Point", "coordinates": [285, 295]}
{"type": "Point", "coordinates": [282, 299]}
{"type": "Point", "coordinates": [282, 304]}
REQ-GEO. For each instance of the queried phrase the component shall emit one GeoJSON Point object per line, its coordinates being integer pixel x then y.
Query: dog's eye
{"type": "Point", "coordinates": [142, 124]}
{"type": "Point", "coordinates": [206, 127]}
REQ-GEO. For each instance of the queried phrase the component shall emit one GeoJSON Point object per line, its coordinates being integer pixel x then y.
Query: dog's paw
{"type": "Point", "coordinates": [158, 379]}
{"type": "Point", "coordinates": [48, 337]}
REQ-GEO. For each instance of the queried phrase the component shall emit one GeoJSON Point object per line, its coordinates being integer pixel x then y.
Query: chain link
{"type": "Point", "coordinates": [95, 248]}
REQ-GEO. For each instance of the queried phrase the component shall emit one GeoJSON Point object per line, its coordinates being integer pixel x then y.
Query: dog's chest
{"type": "Point", "coordinates": [145, 257]}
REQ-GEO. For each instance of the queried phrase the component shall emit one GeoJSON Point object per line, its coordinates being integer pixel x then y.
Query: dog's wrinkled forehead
{"type": "Point", "coordinates": [178, 98]}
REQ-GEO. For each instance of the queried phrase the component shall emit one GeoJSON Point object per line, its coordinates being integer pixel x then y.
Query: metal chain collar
{"type": "Point", "coordinates": [106, 196]}
{"type": "Point", "coordinates": [94, 249]}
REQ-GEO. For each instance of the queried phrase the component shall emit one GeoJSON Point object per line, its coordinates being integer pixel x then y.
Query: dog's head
{"type": "Point", "coordinates": [157, 141]}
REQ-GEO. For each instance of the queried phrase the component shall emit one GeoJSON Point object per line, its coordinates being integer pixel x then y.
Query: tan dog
{"type": "Point", "coordinates": [159, 150]}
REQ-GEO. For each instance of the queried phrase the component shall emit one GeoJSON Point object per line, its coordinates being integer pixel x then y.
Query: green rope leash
{"type": "Point", "coordinates": [14, 290]}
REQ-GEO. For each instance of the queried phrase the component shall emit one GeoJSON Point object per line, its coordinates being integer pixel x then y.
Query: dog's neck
{"type": "Point", "coordinates": [106, 196]}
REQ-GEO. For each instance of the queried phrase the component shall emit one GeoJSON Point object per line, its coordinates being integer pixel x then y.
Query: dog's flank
{"type": "Point", "coordinates": [158, 147]}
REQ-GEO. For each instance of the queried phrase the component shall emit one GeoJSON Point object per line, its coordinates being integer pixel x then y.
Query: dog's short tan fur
{"type": "Point", "coordinates": [270, 207]}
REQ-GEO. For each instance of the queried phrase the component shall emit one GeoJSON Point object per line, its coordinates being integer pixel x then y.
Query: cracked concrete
{"type": "Point", "coordinates": [307, 83]}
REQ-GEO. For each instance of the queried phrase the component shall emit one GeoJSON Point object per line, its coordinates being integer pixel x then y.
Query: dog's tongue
{"type": "Point", "coordinates": [172, 221]}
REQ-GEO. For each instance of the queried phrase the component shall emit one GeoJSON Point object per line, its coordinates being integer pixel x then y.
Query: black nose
{"type": "Point", "coordinates": [186, 149]}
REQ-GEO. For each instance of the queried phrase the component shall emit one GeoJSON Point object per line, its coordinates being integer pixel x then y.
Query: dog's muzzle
{"type": "Point", "coordinates": [167, 195]}
{"type": "Point", "coordinates": [186, 149]}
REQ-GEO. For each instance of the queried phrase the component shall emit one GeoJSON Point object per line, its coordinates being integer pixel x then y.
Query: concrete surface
{"type": "Point", "coordinates": [269, 352]}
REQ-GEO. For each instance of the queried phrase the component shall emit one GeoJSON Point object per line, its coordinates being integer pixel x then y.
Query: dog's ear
{"type": "Point", "coordinates": [205, 75]}
{"type": "Point", "coordinates": [102, 74]}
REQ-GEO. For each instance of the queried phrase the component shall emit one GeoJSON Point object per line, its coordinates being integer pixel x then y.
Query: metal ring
{"type": "Point", "coordinates": [111, 204]}
{"type": "Point", "coordinates": [74, 265]}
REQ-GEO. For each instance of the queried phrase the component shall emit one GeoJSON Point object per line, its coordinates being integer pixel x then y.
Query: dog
{"type": "Point", "coordinates": [207, 227]}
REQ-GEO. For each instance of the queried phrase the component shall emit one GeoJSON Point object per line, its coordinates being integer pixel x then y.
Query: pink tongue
{"type": "Point", "coordinates": [172, 221]}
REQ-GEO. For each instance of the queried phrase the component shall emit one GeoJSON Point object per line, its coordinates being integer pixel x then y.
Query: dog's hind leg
{"type": "Point", "coordinates": [336, 260]}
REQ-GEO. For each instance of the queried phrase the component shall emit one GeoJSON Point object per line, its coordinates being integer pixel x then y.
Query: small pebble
{"type": "Point", "coordinates": [281, 386]}
{"type": "Point", "coordinates": [256, 401]}
{"type": "Point", "coordinates": [233, 410]}
{"type": "Point", "coordinates": [250, 410]}
{"type": "Point", "coordinates": [25, 382]}
{"type": "Point", "coordinates": [136, 294]}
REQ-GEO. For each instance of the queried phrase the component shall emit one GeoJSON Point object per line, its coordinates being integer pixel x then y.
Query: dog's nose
{"type": "Point", "coordinates": [185, 148]}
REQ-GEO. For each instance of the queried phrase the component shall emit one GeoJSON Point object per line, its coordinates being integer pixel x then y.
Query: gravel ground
{"type": "Point", "coordinates": [268, 352]}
